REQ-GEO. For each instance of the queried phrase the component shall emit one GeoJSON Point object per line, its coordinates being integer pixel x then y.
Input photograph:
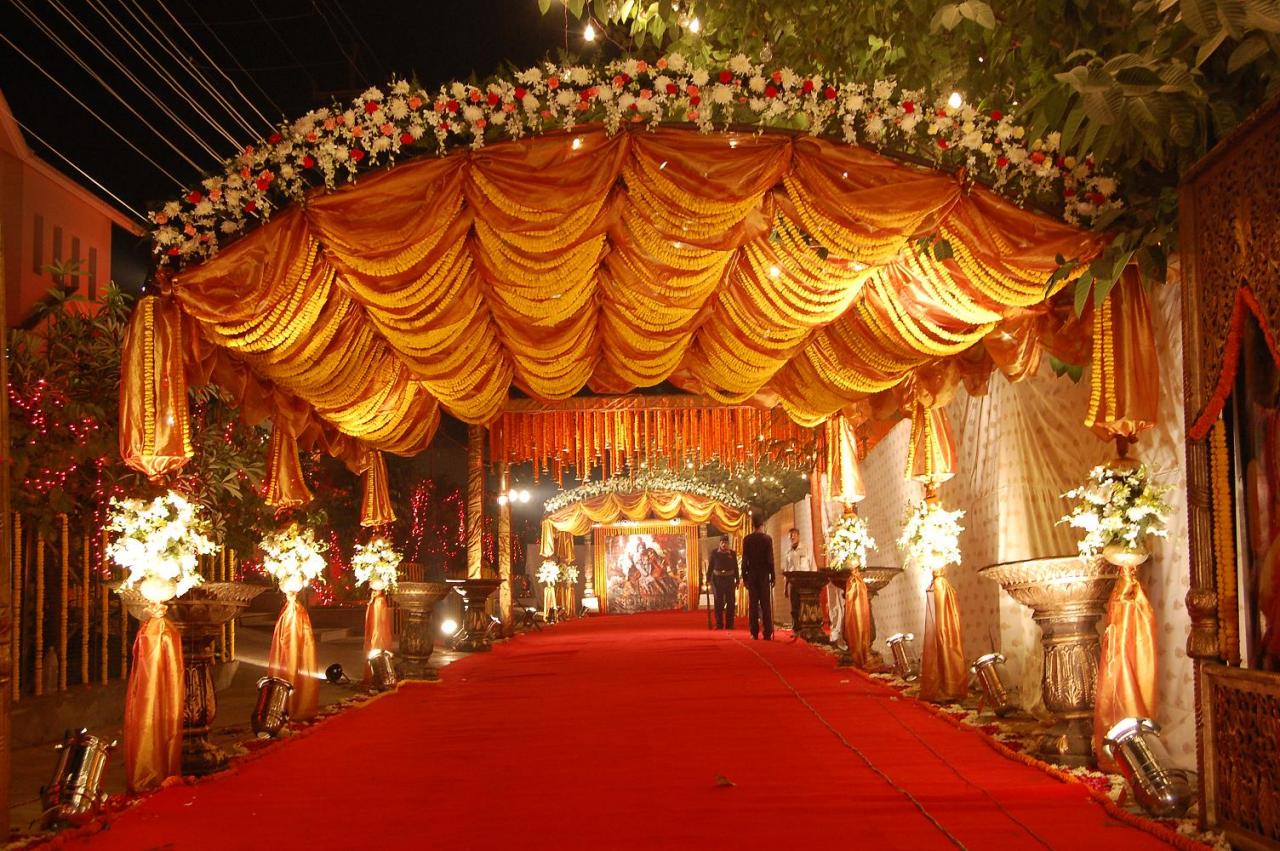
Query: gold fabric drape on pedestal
{"type": "Point", "coordinates": [943, 674]}
{"type": "Point", "coordinates": [578, 518]}
{"type": "Point", "coordinates": [504, 554]}
{"type": "Point", "coordinates": [1127, 673]}
{"type": "Point", "coordinates": [375, 506]}
{"type": "Point", "coordinates": [857, 619]}
{"type": "Point", "coordinates": [378, 634]}
{"type": "Point", "coordinates": [293, 658]}
{"type": "Point", "coordinates": [153, 707]}
{"type": "Point", "coordinates": [475, 502]}
{"type": "Point", "coordinates": [1124, 376]}
{"type": "Point", "coordinates": [285, 486]}
{"type": "Point", "coordinates": [155, 427]}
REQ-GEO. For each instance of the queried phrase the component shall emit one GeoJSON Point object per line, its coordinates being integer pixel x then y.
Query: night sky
{"type": "Point", "coordinates": [285, 56]}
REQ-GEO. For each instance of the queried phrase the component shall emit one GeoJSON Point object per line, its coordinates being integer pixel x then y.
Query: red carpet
{"type": "Point", "coordinates": [625, 733]}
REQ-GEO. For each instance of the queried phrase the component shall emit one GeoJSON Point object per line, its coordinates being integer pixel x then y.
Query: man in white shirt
{"type": "Point", "coordinates": [795, 557]}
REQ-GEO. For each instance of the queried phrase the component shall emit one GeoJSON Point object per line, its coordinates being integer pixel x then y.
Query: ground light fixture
{"type": "Point", "coordinates": [449, 628]}
{"type": "Point", "coordinates": [336, 675]}
{"type": "Point", "coordinates": [1135, 746]}
{"type": "Point", "coordinates": [75, 794]}
{"type": "Point", "coordinates": [987, 670]}
{"type": "Point", "coordinates": [271, 712]}
{"type": "Point", "coordinates": [901, 662]}
{"type": "Point", "coordinates": [382, 666]}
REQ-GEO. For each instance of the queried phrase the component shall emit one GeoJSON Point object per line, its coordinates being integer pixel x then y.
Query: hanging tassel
{"type": "Point", "coordinates": [1124, 378]}
{"type": "Point", "coordinates": [375, 507]}
{"type": "Point", "coordinates": [846, 482]}
{"type": "Point", "coordinates": [285, 486]}
{"type": "Point", "coordinates": [931, 458]}
{"type": "Point", "coordinates": [155, 426]}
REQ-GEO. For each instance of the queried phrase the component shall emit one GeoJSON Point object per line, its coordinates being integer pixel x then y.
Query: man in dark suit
{"type": "Point", "coordinates": [758, 576]}
{"type": "Point", "coordinates": [722, 571]}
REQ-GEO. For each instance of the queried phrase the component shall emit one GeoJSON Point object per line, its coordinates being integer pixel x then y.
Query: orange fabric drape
{"type": "Point", "coordinates": [375, 506]}
{"type": "Point", "coordinates": [857, 619]}
{"type": "Point", "coordinates": [932, 455]}
{"type": "Point", "coordinates": [578, 518]}
{"type": "Point", "coordinates": [1124, 376]}
{"type": "Point", "coordinates": [943, 674]}
{"type": "Point", "coordinates": [155, 426]}
{"type": "Point", "coordinates": [1127, 673]}
{"type": "Point", "coordinates": [153, 707]}
{"type": "Point", "coordinates": [845, 474]}
{"type": "Point", "coordinates": [293, 658]}
{"type": "Point", "coordinates": [285, 486]}
{"type": "Point", "coordinates": [377, 625]}
{"type": "Point", "coordinates": [779, 268]}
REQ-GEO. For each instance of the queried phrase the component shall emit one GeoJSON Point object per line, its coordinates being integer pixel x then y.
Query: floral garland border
{"type": "Point", "coordinates": [335, 144]}
{"type": "Point", "coordinates": [644, 482]}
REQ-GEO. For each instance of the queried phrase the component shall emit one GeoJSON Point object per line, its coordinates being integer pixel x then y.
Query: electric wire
{"type": "Point", "coordinates": [350, 59]}
{"type": "Point", "coordinates": [214, 34]}
{"type": "Point", "coordinates": [39, 67]}
{"type": "Point", "coordinates": [356, 31]}
{"type": "Point", "coordinates": [283, 42]}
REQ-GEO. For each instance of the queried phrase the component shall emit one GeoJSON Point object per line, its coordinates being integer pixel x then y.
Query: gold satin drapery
{"type": "Point", "coordinates": [577, 519]}
{"type": "Point", "coordinates": [857, 619]}
{"type": "Point", "coordinates": [781, 269]}
{"type": "Point", "coordinates": [944, 677]}
{"type": "Point", "coordinates": [1127, 673]}
{"type": "Point", "coordinates": [153, 706]}
{"type": "Point", "coordinates": [931, 458]}
{"type": "Point", "coordinates": [285, 486]}
{"type": "Point", "coordinates": [378, 634]}
{"type": "Point", "coordinates": [846, 484]}
{"type": "Point", "coordinates": [375, 504]}
{"type": "Point", "coordinates": [1124, 376]}
{"type": "Point", "coordinates": [155, 425]}
{"type": "Point", "coordinates": [293, 658]}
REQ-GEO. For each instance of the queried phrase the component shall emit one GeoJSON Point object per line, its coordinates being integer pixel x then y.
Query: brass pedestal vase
{"type": "Point", "coordinates": [876, 578]}
{"type": "Point", "coordinates": [475, 616]}
{"type": "Point", "coordinates": [808, 585]}
{"type": "Point", "coordinates": [417, 604]}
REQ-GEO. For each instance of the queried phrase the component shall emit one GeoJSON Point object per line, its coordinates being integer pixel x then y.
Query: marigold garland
{"type": "Point", "coordinates": [1224, 549]}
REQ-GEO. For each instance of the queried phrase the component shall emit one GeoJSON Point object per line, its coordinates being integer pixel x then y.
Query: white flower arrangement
{"type": "Point", "coordinates": [1117, 506]}
{"type": "Point", "coordinates": [549, 573]}
{"type": "Point", "coordinates": [931, 535]}
{"type": "Point", "coordinates": [158, 543]}
{"type": "Point", "coordinates": [646, 480]}
{"type": "Point", "coordinates": [293, 557]}
{"type": "Point", "coordinates": [333, 144]}
{"type": "Point", "coordinates": [377, 564]}
{"type": "Point", "coordinates": [569, 574]}
{"type": "Point", "coordinates": [847, 543]}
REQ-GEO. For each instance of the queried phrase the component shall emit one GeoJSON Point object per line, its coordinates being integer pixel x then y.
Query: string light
{"type": "Point", "coordinates": [695, 25]}
{"type": "Point", "coordinates": [955, 101]}
{"type": "Point", "coordinates": [589, 34]}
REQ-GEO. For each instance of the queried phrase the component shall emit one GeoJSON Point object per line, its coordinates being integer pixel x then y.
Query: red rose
{"type": "Point", "coordinates": [1097, 197]}
{"type": "Point", "coordinates": [406, 138]}
{"type": "Point", "coordinates": [829, 93]}
{"type": "Point", "coordinates": [493, 99]}
{"type": "Point", "coordinates": [908, 106]}
{"type": "Point", "coordinates": [806, 86]}
{"type": "Point", "coordinates": [274, 138]}
{"type": "Point", "coordinates": [250, 206]}
{"type": "Point", "coordinates": [1068, 193]}
{"type": "Point", "coordinates": [521, 91]}
{"type": "Point", "coordinates": [776, 76]}
{"type": "Point", "coordinates": [996, 115]}
{"type": "Point", "coordinates": [726, 76]}
{"type": "Point", "coordinates": [370, 107]}
{"type": "Point", "coordinates": [694, 100]}
{"type": "Point", "coordinates": [1001, 162]}
{"type": "Point", "coordinates": [771, 91]}
{"type": "Point", "coordinates": [195, 198]}
{"type": "Point", "coordinates": [263, 184]}
{"type": "Point", "coordinates": [474, 95]}
{"type": "Point", "coordinates": [942, 143]}
{"type": "Point", "coordinates": [672, 88]}
{"type": "Point", "coordinates": [308, 161]}
{"type": "Point", "coordinates": [172, 252]}
{"type": "Point", "coordinates": [357, 154]}
{"type": "Point", "coordinates": [942, 113]}
{"type": "Point", "coordinates": [1037, 157]}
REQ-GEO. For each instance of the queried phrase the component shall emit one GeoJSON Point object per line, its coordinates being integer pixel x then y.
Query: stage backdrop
{"type": "Point", "coordinates": [646, 567]}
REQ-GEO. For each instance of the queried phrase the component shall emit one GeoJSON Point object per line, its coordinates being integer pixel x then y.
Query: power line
{"type": "Point", "coordinates": [230, 53]}
{"type": "Point", "coordinates": [350, 60]}
{"type": "Point", "coordinates": [39, 67]}
{"type": "Point", "coordinates": [283, 43]}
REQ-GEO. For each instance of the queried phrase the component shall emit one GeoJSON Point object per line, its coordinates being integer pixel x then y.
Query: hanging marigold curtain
{"type": "Point", "coordinates": [155, 427]}
{"type": "Point", "coordinates": [153, 706]}
{"type": "Point", "coordinates": [777, 269]}
{"type": "Point", "coordinates": [375, 505]}
{"type": "Point", "coordinates": [285, 486]}
{"type": "Point", "coordinates": [578, 518]}
{"type": "Point", "coordinates": [1124, 376]}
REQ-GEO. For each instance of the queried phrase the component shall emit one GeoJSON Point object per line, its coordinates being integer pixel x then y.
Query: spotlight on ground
{"type": "Point", "coordinates": [449, 627]}
{"type": "Point", "coordinates": [336, 675]}
{"type": "Point", "coordinates": [987, 670]}
{"type": "Point", "coordinates": [272, 709]}
{"type": "Point", "coordinates": [382, 666]}
{"type": "Point", "coordinates": [901, 662]}
{"type": "Point", "coordinates": [74, 795]}
{"type": "Point", "coordinates": [1134, 744]}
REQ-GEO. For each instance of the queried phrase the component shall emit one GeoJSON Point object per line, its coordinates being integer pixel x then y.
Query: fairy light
{"type": "Point", "coordinates": [589, 33]}
{"type": "Point", "coordinates": [695, 25]}
{"type": "Point", "coordinates": [955, 101]}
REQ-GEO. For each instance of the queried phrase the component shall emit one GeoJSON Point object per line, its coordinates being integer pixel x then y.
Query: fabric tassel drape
{"type": "Point", "coordinates": [578, 518]}
{"type": "Point", "coordinates": [548, 600]}
{"type": "Point", "coordinates": [931, 458]}
{"type": "Point", "coordinates": [845, 474]}
{"type": "Point", "coordinates": [375, 507]}
{"type": "Point", "coordinates": [155, 425]}
{"type": "Point", "coordinates": [377, 626]}
{"type": "Point", "coordinates": [285, 486]}
{"type": "Point", "coordinates": [1125, 376]}
{"type": "Point", "coordinates": [943, 675]}
{"type": "Point", "coordinates": [293, 658]}
{"type": "Point", "coordinates": [1127, 673]}
{"type": "Point", "coordinates": [153, 706]}
{"type": "Point", "coordinates": [857, 619]}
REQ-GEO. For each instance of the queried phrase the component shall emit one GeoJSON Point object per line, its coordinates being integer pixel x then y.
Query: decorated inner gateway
{"type": "Point", "coordinates": [673, 383]}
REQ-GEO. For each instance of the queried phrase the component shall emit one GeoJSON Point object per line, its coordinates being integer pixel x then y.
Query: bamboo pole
{"type": "Point", "coordinates": [64, 591]}
{"type": "Point", "coordinates": [84, 608]}
{"type": "Point", "coordinates": [39, 677]}
{"type": "Point", "coordinates": [17, 605]}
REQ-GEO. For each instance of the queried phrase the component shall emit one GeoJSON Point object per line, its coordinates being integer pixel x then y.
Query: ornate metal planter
{"type": "Point", "coordinates": [808, 584]}
{"type": "Point", "coordinates": [199, 615]}
{"type": "Point", "coordinates": [1067, 597]}
{"type": "Point", "coordinates": [876, 578]}
{"type": "Point", "coordinates": [417, 603]}
{"type": "Point", "coordinates": [475, 617]}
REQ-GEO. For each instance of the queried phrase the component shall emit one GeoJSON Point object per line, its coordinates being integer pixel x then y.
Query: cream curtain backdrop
{"type": "Point", "coordinates": [1020, 446]}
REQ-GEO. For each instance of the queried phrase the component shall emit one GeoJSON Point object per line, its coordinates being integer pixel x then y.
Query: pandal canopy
{"type": "Point", "coordinates": [576, 519]}
{"type": "Point", "coordinates": [766, 267]}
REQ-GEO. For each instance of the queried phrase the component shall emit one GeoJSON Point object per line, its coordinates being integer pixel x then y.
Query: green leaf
{"type": "Point", "coordinates": [947, 17]}
{"type": "Point", "coordinates": [942, 250]}
{"type": "Point", "coordinates": [1138, 79]}
{"type": "Point", "coordinates": [1071, 126]}
{"type": "Point", "coordinates": [1201, 17]}
{"type": "Point", "coordinates": [1252, 48]}
{"type": "Point", "coordinates": [1234, 17]}
{"type": "Point", "coordinates": [1207, 49]}
{"type": "Point", "coordinates": [544, 6]}
{"type": "Point", "coordinates": [980, 13]}
{"type": "Point", "coordinates": [1084, 285]}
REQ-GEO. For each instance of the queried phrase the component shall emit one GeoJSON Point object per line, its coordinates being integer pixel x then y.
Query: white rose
{"type": "Point", "coordinates": [529, 102]}
{"type": "Point", "coordinates": [789, 77]}
{"type": "Point", "coordinates": [472, 113]}
{"type": "Point", "coordinates": [676, 62]}
{"type": "Point", "coordinates": [854, 103]}
{"type": "Point", "coordinates": [756, 83]}
{"type": "Point", "coordinates": [721, 94]}
{"type": "Point", "coordinates": [739, 64]}
{"type": "Point", "coordinates": [700, 77]}
{"type": "Point", "coordinates": [660, 84]}
{"type": "Point", "coordinates": [565, 97]}
{"type": "Point", "coordinates": [579, 76]}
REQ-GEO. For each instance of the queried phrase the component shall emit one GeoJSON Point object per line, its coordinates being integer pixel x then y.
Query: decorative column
{"type": "Point", "coordinates": [504, 553]}
{"type": "Point", "coordinates": [475, 501]}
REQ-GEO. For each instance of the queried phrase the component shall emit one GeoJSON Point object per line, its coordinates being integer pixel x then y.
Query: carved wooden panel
{"type": "Point", "coordinates": [1242, 754]}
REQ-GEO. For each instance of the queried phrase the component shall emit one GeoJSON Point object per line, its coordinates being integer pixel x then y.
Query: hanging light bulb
{"type": "Point", "coordinates": [524, 495]}
{"type": "Point", "coordinates": [589, 34]}
{"type": "Point", "coordinates": [695, 25]}
{"type": "Point", "coordinates": [956, 100]}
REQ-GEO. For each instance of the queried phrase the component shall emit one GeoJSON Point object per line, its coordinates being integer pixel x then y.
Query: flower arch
{"type": "Point", "coordinates": [337, 144]}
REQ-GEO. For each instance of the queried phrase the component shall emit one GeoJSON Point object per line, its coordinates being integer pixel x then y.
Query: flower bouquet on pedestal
{"type": "Point", "coordinates": [295, 559]}
{"type": "Point", "coordinates": [931, 538]}
{"type": "Point", "coordinates": [847, 544]}
{"type": "Point", "coordinates": [377, 564]}
{"type": "Point", "coordinates": [569, 574]}
{"type": "Point", "coordinates": [157, 544]}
